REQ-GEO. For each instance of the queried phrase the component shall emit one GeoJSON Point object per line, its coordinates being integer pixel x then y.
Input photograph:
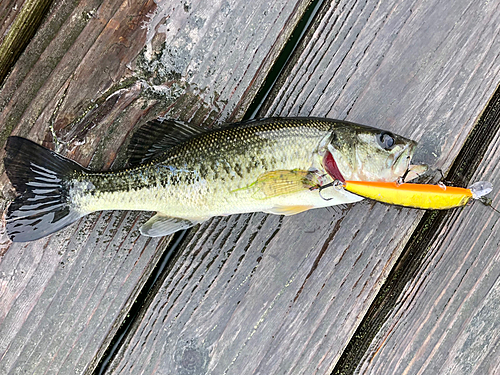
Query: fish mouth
{"type": "Point", "coordinates": [403, 163]}
{"type": "Point", "coordinates": [331, 167]}
{"type": "Point", "coordinates": [414, 171]}
{"type": "Point", "coordinates": [403, 160]}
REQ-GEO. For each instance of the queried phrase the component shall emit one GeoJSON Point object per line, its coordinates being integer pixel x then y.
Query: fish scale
{"type": "Point", "coordinates": [201, 173]}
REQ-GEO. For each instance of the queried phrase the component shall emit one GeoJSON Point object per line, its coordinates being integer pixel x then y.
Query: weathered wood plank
{"type": "Point", "coordinates": [92, 73]}
{"type": "Point", "coordinates": [446, 321]}
{"type": "Point", "coordinates": [20, 31]}
{"type": "Point", "coordinates": [261, 294]}
{"type": "Point", "coordinates": [405, 270]}
{"type": "Point", "coordinates": [9, 9]}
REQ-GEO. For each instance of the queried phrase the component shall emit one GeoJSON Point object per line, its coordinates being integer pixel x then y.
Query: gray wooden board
{"type": "Point", "coordinates": [447, 320]}
{"type": "Point", "coordinates": [57, 306]}
{"type": "Point", "coordinates": [269, 295]}
{"type": "Point", "coordinates": [93, 72]}
{"type": "Point", "coordinates": [9, 9]}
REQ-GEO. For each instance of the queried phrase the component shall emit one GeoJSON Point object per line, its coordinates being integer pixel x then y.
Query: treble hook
{"type": "Point", "coordinates": [401, 180]}
{"type": "Point", "coordinates": [487, 202]}
{"type": "Point", "coordinates": [334, 183]}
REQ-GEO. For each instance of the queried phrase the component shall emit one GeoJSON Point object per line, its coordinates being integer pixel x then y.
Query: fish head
{"type": "Point", "coordinates": [363, 153]}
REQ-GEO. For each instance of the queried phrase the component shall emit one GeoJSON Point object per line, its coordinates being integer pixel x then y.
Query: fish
{"type": "Point", "coordinates": [188, 174]}
{"type": "Point", "coordinates": [422, 196]}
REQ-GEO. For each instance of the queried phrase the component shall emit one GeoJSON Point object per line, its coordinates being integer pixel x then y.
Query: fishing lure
{"type": "Point", "coordinates": [423, 196]}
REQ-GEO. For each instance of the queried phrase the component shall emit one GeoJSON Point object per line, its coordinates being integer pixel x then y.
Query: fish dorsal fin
{"type": "Point", "coordinates": [162, 225]}
{"type": "Point", "coordinates": [155, 137]}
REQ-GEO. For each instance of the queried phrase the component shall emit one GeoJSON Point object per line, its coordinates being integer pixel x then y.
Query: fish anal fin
{"type": "Point", "coordinates": [288, 210]}
{"type": "Point", "coordinates": [162, 225]}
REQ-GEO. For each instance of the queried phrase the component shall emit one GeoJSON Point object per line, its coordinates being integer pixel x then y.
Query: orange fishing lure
{"type": "Point", "coordinates": [424, 196]}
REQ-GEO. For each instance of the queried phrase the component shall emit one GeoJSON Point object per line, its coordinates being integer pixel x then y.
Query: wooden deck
{"type": "Point", "coordinates": [368, 289]}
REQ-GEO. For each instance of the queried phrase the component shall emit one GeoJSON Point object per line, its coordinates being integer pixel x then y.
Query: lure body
{"type": "Point", "coordinates": [423, 196]}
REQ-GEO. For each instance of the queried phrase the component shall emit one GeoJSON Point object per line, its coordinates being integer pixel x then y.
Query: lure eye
{"type": "Point", "coordinates": [386, 140]}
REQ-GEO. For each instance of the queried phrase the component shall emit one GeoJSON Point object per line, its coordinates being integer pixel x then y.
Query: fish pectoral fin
{"type": "Point", "coordinates": [162, 225]}
{"type": "Point", "coordinates": [280, 182]}
{"type": "Point", "coordinates": [288, 210]}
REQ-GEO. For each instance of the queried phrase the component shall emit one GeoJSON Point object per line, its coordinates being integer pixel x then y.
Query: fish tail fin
{"type": "Point", "coordinates": [40, 178]}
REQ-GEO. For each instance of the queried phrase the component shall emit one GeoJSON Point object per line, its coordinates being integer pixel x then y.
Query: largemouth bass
{"type": "Point", "coordinates": [188, 174]}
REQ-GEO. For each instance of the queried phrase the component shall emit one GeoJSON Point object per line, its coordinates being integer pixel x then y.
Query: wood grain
{"type": "Point", "coordinates": [92, 73]}
{"type": "Point", "coordinates": [446, 321]}
{"type": "Point", "coordinates": [409, 264]}
{"type": "Point", "coordinates": [9, 9]}
{"type": "Point", "coordinates": [259, 294]}
{"type": "Point", "coordinates": [20, 31]}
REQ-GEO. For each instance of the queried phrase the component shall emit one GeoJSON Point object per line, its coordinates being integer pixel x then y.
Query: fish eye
{"type": "Point", "coordinates": [386, 140]}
